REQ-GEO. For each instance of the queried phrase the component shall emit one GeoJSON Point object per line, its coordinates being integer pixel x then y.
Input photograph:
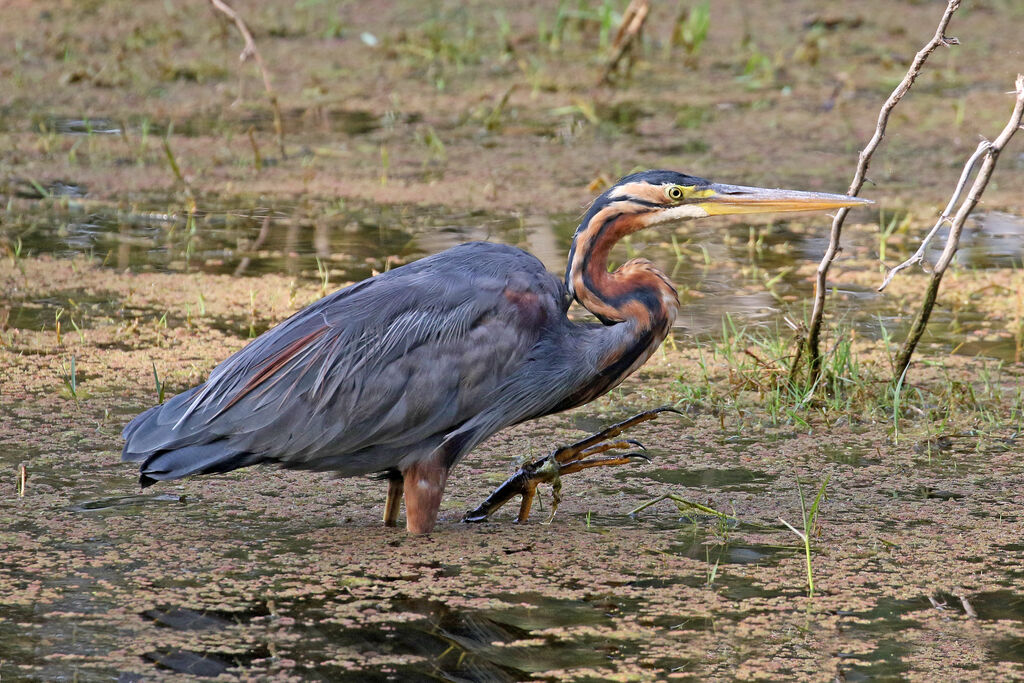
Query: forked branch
{"type": "Point", "coordinates": [859, 177]}
{"type": "Point", "coordinates": [918, 256]}
{"type": "Point", "coordinates": [991, 151]}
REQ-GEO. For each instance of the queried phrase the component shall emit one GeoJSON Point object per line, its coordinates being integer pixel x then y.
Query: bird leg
{"type": "Point", "coordinates": [393, 504]}
{"type": "Point", "coordinates": [424, 482]}
{"type": "Point", "coordinates": [564, 460]}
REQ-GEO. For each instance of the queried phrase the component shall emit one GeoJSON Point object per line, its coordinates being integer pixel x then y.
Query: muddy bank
{"type": "Point", "coordinates": [263, 572]}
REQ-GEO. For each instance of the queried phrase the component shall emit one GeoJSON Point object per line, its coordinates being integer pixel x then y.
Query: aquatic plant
{"type": "Point", "coordinates": [809, 517]}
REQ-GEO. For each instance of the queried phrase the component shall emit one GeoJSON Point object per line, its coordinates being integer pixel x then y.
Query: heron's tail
{"type": "Point", "coordinates": [166, 451]}
{"type": "Point", "coordinates": [207, 458]}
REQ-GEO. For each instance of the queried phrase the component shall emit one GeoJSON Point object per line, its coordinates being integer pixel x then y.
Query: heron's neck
{"type": "Point", "coordinates": [636, 292]}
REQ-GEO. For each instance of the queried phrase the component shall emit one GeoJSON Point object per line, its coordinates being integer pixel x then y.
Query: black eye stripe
{"type": "Point", "coordinates": [635, 200]}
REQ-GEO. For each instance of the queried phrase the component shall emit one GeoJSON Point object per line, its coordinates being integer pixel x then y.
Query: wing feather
{"type": "Point", "coordinates": [392, 363]}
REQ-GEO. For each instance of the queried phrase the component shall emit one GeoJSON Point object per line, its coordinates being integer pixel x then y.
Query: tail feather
{"type": "Point", "coordinates": [208, 458]}
{"type": "Point", "coordinates": [166, 452]}
{"type": "Point", "coordinates": [151, 431]}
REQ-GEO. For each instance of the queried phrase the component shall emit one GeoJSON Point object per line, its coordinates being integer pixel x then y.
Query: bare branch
{"type": "Point", "coordinates": [918, 256]}
{"type": "Point", "coordinates": [250, 52]}
{"type": "Point", "coordinates": [820, 283]}
{"type": "Point", "coordinates": [629, 31]}
{"type": "Point", "coordinates": [956, 229]}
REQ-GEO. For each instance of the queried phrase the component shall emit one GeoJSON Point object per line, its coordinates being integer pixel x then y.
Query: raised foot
{"type": "Point", "coordinates": [581, 455]}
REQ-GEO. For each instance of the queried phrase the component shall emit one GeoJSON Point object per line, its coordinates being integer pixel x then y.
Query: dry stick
{"type": "Point", "coordinates": [820, 284]}
{"type": "Point", "coordinates": [635, 12]}
{"type": "Point", "coordinates": [250, 51]}
{"type": "Point", "coordinates": [918, 256]}
{"type": "Point", "coordinates": [992, 151]}
{"type": "Point", "coordinates": [629, 30]}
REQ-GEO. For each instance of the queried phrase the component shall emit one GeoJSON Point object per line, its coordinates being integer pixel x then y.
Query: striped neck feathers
{"type": "Point", "coordinates": [637, 291]}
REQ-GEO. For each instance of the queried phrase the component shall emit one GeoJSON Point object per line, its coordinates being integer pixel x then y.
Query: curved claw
{"type": "Point", "coordinates": [475, 516]}
{"type": "Point", "coordinates": [667, 409]}
{"type": "Point", "coordinates": [565, 460]}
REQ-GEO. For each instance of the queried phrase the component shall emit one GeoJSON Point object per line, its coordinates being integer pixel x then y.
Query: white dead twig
{"type": "Point", "coordinates": [991, 153]}
{"type": "Point", "coordinates": [860, 175]}
{"type": "Point", "coordinates": [968, 607]}
{"type": "Point", "coordinates": [918, 256]}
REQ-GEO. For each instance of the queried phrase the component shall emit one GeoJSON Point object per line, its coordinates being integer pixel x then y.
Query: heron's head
{"type": "Point", "coordinates": [656, 197]}
{"type": "Point", "coordinates": [650, 198]}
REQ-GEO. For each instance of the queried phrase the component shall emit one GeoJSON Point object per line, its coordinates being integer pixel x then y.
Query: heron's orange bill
{"type": "Point", "coordinates": [734, 199]}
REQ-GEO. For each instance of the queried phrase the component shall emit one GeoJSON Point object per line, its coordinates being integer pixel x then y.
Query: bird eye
{"type": "Point", "coordinates": [674, 193]}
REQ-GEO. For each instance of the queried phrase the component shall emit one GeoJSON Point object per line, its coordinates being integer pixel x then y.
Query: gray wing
{"type": "Point", "coordinates": [365, 378]}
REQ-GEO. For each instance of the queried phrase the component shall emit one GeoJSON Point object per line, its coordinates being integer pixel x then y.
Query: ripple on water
{"type": "Point", "coordinates": [127, 501]}
{"type": "Point", "coordinates": [730, 479]}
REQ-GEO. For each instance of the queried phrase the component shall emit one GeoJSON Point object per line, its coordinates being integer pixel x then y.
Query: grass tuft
{"type": "Point", "coordinates": [809, 518]}
{"type": "Point", "coordinates": [158, 383]}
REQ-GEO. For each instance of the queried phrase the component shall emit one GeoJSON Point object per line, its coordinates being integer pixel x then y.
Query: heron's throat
{"type": "Point", "coordinates": [637, 291]}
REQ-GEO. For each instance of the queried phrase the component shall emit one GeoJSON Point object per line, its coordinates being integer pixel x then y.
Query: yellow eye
{"type": "Point", "coordinates": [674, 192]}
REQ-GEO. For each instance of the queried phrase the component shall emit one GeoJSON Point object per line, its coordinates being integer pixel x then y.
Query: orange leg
{"type": "Point", "coordinates": [394, 501]}
{"type": "Point", "coordinates": [424, 485]}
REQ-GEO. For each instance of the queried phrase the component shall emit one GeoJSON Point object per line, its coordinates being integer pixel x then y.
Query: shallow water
{"type": "Point", "coordinates": [719, 275]}
{"type": "Point", "coordinates": [247, 576]}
